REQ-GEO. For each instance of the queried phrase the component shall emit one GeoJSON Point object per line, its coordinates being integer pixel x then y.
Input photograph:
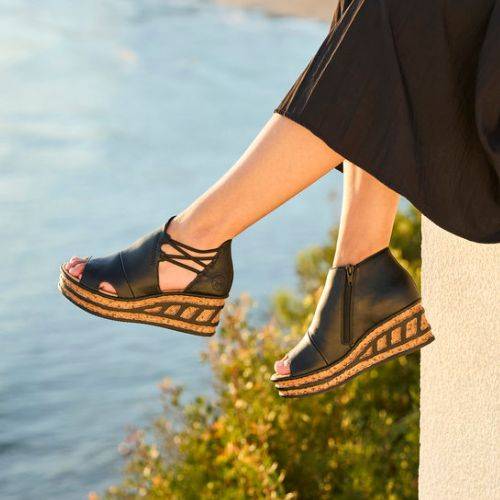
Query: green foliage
{"type": "Point", "coordinates": [357, 442]}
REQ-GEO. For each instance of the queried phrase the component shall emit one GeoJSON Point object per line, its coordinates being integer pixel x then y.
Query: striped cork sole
{"type": "Point", "coordinates": [404, 333]}
{"type": "Point", "coordinates": [194, 314]}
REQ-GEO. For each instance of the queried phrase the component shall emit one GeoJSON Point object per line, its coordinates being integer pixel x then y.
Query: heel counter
{"type": "Point", "coordinates": [225, 266]}
{"type": "Point", "coordinates": [382, 287]}
{"type": "Point", "coordinates": [407, 283]}
{"type": "Point", "coordinates": [217, 278]}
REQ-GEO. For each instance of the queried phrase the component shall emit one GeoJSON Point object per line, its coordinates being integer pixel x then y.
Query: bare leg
{"type": "Point", "coordinates": [283, 160]}
{"type": "Point", "coordinates": [368, 212]}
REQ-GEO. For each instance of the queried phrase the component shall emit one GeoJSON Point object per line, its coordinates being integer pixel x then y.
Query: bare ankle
{"type": "Point", "coordinates": [356, 254]}
{"type": "Point", "coordinates": [197, 235]}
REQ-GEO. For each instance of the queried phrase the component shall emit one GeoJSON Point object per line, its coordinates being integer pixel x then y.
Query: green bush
{"type": "Point", "coordinates": [359, 441]}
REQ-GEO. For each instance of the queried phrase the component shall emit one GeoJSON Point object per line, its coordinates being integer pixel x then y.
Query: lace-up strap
{"type": "Point", "coordinates": [201, 257]}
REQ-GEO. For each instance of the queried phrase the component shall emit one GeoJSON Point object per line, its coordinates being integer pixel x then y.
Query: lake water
{"type": "Point", "coordinates": [114, 115]}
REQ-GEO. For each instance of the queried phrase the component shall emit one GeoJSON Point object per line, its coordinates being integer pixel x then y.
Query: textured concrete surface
{"type": "Point", "coordinates": [460, 410]}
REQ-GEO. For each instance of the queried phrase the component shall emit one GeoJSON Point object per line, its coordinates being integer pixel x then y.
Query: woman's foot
{"type": "Point", "coordinates": [141, 283]}
{"type": "Point", "coordinates": [367, 314]}
{"type": "Point", "coordinates": [171, 277]}
{"type": "Point", "coordinates": [350, 256]}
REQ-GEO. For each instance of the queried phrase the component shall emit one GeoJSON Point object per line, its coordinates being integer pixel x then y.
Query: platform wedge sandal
{"type": "Point", "coordinates": [133, 272]}
{"type": "Point", "coordinates": [368, 313]}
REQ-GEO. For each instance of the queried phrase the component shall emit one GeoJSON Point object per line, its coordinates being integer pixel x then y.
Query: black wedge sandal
{"type": "Point", "coordinates": [133, 273]}
{"type": "Point", "coordinates": [368, 314]}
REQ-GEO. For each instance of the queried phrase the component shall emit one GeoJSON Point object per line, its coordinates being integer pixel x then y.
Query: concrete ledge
{"type": "Point", "coordinates": [460, 410]}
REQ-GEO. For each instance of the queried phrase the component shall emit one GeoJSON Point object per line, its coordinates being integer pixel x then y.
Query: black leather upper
{"type": "Point", "coordinates": [381, 287]}
{"type": "Point", "coordinates": [217, 277]}
{"type": "Point", "coordinates": [133, 272]}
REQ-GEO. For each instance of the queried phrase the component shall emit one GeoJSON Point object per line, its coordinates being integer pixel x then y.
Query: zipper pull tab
{"type": "Point", "coordinates": [350, 273]}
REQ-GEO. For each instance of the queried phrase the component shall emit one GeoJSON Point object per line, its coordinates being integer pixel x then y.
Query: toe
{"type": "Point", "coordinates": [76, 270]}
{"type": "Point", "coordinates": [75, 260]}
{"type": "Point", "coordinates": [282, 367]}
{"type": "Point", "coordinates": [107, 288]}
{"type": "Point", "coordinates": [70, 263]}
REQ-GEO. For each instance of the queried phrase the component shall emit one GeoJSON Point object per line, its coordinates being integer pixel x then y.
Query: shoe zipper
{"type": "Point", "coordinates": [346, 332]}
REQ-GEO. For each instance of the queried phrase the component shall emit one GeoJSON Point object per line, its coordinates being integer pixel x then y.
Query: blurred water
{"type": "Point", "coordinates": [114, 115]}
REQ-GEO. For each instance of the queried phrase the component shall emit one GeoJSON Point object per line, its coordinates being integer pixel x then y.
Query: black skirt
{"type": "Point", "coordinates": [409, 90]}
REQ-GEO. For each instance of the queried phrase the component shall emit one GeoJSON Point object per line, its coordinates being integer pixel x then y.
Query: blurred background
{"type": "Point", "coordinates": [114, 115]}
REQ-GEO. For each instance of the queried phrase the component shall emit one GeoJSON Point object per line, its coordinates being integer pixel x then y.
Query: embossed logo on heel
{"type": "Point", "coordinates": [218, 282]}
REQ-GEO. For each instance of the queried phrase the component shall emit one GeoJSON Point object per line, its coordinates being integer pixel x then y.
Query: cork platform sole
{"type": "Point", "coordinates": [402, 334]}
{"type": "Point", "coordinates": [195, 314]}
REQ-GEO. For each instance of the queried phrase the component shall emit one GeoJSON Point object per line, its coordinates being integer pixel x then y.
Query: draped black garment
{"type": "Point", "coordinates": [409, 90]}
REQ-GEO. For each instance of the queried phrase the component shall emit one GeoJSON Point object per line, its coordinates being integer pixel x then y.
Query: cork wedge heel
{"type": "Point", "coordinates": [367, 314]}
{"type": "Point", "coordinates": [403, 334]}
{"type": "Point", "coordinates": [133, 273]}
{"type": "Point", "coordinates": [198, 315]}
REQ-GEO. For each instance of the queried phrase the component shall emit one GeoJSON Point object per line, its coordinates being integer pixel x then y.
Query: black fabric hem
{"type": "Point", "coordinates": [354, 157]}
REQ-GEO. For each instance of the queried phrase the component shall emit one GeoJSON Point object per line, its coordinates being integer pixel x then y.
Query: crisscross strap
{"type": "Point", "coordinates": [202, 257]}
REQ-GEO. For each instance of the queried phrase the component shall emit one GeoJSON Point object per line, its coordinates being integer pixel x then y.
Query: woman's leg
{"type": "Point", "coordinates": [368, 212]}
{"type": "Point", "coordinates": [283, 160]}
